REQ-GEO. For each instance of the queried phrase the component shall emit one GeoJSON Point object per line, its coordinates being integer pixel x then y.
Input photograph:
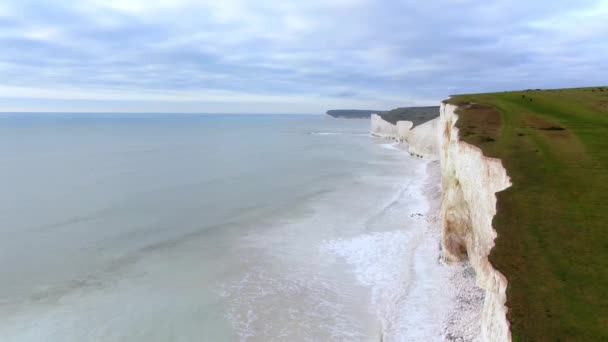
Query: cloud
{"type": "Point", "coordinates": [292, 56]}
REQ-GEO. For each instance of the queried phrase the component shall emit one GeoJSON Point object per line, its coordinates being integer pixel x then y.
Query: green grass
{"type": "Point", "coordinates": [417, 115]}
{"type": "Point", "coordinates": [552, 223]}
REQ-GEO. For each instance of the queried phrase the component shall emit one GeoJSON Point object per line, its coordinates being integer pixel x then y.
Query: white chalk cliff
{"type": "Point", "coordinates": [469, 183]}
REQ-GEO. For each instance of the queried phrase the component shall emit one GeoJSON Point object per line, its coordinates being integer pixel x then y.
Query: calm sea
{"type": "Point", "coordinates": [201, 228]}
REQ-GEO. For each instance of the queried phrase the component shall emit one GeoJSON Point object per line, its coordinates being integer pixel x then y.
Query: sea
{"type": "Point", "coordinates": [179, 227]}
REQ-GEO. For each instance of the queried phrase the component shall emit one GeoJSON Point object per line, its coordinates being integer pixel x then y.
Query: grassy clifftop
{"type": "Point", "coordinates": [417, 115]}
{"type": "Point", "coordinates": [552, 223]}
{"type": "Point", "coordinates": [352, 113]}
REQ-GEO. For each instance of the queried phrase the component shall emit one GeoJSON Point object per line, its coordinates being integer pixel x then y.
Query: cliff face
{"type": "Point", "coordinates": [469, 183]}
{"type": "Point", "coordinates": [381, 128]}
{"type": "Point", "coordinates": [422, 139]}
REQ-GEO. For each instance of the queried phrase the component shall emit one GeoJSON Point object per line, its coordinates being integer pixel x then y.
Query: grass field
{"type": "Point", "coordinates": [552, 223]}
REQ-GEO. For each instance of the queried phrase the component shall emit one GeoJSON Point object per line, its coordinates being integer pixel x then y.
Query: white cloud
{"type": "Point", "coordinates": [49, 34]}
{"type": "Point", "coordinates": [351, 52]}
{"type": "Point", "coordinates": [142, 7]}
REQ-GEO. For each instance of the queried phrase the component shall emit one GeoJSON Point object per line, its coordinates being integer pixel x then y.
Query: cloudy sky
{"type": "Point", "coordinates": [252, 56]}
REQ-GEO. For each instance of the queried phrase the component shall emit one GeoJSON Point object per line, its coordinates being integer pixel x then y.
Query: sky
{"type": "Point", "coordinates": [239, 56]}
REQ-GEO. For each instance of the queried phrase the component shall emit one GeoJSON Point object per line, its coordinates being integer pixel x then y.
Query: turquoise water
{"type": "Point", "coordinates": [192, 227]}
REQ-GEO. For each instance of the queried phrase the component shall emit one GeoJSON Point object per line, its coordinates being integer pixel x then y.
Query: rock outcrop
{"type": "Point", "coordinates": [470, 181]}
{"type": "Point", "coordinates": [422, 139]}
{"type": "Point", "coordinates": [383, 129]}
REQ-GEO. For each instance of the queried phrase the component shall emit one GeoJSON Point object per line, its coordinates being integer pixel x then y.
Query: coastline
{"type": "Point", "coordinates": [462, 212]}
{"type": "Point", "coordinates": [462, 321]}
{"type": "Point", "coordinates": [440, 300]}
{"type": "Point", "coordinates": [416, 295]}
{"type": "Point", "coordinates": [461, 318]}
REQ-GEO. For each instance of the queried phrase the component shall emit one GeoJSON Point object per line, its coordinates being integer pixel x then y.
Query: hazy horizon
{"type": "Point", "coordinates": [153, 113]}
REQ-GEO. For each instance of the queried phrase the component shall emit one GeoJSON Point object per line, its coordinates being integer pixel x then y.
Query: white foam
{"type": "Point", "coordinates": [325, 133]}
{"type": "Point", "coordinates": [391, 246]}
{"type": "Point", "coordinates": [340, 133]}
{"type": "Point", "coordinates": [391, 146]}
{"type": "Point", "coordinates": [300, 306]}
{"type": "Point", "coordinates": [411, 291]}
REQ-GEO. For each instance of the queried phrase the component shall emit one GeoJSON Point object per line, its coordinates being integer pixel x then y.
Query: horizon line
{"type": "Point", "coordinates": [148, 113]}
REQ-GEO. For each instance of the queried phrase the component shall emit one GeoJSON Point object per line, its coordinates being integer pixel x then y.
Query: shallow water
{"type": "Point", "coordinates": [182, 227]}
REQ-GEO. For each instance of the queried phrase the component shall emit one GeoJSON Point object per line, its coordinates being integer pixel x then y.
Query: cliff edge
{"type": "Point", "coordinates": [470, 181]}
{"type": "Point", "coordinates": [551, 239]}
{"type": "Point", "coordinates": [542, 227]}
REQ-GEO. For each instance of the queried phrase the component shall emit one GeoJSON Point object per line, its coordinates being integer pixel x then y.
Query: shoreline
{"type": "Point", "coordinates": [416, 295]}
{"type": "Point", "coordinates": [462, 321]}
{"type": "Point", "coordinates": [469, 183]}
{"type": "Point", "coordinates": [461, 300]}
{"type": "Point", "coordinates": [441, 301]}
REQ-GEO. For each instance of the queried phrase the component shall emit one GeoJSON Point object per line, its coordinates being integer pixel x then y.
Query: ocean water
{"type": "Point", "coordinates": [209, 228]}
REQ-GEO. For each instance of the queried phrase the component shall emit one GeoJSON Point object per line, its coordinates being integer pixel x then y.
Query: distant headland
{"type": "Point", "coordinates": [417, 115]}
{"type": "Point", "coordinates": [353, 113]}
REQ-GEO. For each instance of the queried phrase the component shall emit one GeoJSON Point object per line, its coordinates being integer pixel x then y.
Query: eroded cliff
{"type": "Point", "coordinates": [470, 181]}
{"type": "Point", "coordinates": [421, 139]}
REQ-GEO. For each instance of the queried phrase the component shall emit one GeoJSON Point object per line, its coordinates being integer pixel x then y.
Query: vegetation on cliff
{"type": "Point", "coordinates": [552, 223]}
{"type": "Point", "coordinates": [352, 113]}
{"type": "Point", "coordinates": [417, 115]}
